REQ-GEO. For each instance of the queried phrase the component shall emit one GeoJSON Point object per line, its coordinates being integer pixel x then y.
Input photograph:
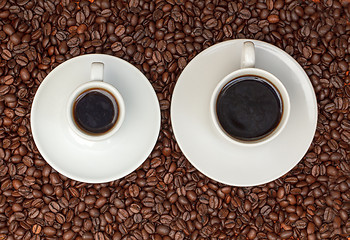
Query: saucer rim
{"type": "Point", "coordinates": [101, 179]}
{"type": "Point", "coordinates": [273, 49]}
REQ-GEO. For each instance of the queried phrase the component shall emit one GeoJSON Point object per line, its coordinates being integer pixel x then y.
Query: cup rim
{"type": "Point", "coordinates": [90, 85]}
{"type": "Point", "coordinates": [272, 79]}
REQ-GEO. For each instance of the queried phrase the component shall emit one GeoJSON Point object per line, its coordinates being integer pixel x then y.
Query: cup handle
{"type": "Point", "coordinates": [248, 55]}
{"type": "Point", "coordinates": [96, 71]}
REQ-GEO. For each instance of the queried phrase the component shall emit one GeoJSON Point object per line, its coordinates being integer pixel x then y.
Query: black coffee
{"type": "Point", "coordinates": [95, 111]}
{"type": "Point", "coordinates": [249, 108]}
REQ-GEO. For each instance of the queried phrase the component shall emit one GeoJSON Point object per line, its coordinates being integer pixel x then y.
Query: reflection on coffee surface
{"type": "Point", "coordinates": [249, 108]}
{"type": "Point", "coordinates": [95, 111]}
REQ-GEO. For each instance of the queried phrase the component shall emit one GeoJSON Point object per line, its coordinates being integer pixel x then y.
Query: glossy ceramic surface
{"type": "Point", "coordinates": [95, 161]}
{"type": "Point", "coordinates": [213, 154]}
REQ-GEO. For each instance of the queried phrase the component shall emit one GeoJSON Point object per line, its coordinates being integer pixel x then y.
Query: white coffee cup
{"type": "Point", "coordinates": [248, 69]}
{"type": "Point", "coordinates": [96, 83]}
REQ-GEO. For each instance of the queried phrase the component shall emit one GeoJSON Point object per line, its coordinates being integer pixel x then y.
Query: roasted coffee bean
{"type": "Point", "coordinates": [117, 46]}
{"type": "Point", "coordinates": [36, 229]}
{"type": "Point", "coordinates": [163, 230]}
{"type": "Point", "coordinates": [119, 30]}
{"type": "Point", "coordinates": [49, 231]}
{"type": "Point", "coordinates": [6, 54]}
{"type": "Point", "coordinates": [8, 29]}
{"type": "Point", "coordinates": [54, 207]}
{"type": "Point", "coordinates": [73, 42]}
{"type": "Point", "coordinates": [245, 13]}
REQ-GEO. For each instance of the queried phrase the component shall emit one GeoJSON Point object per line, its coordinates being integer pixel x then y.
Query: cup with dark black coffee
{"type": "Point", "coordinates": [95, 109]}
{"type": "Point", "coordinates": [250, 106]}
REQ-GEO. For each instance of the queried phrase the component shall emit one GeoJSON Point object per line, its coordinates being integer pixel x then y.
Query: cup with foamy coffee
{"type": "Point", "coordinates": [95, 109]}
{"type": "Point", "coordinates": [250, 106]}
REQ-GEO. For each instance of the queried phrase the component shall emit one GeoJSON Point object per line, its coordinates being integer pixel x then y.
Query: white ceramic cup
{"type": "Point", "coordinates": [96, 82]}
{"type": "Point", "coordinates": [248, 68]}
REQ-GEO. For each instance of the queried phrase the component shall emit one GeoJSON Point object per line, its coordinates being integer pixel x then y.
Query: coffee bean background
{"type": "Point", "coordinates": [166, 197]}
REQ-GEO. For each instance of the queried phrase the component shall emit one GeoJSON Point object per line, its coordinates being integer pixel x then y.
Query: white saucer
{"type": "Point", "coordinates": [84, 160]}
{"type": "Point", "coordinates": [214, 155]}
